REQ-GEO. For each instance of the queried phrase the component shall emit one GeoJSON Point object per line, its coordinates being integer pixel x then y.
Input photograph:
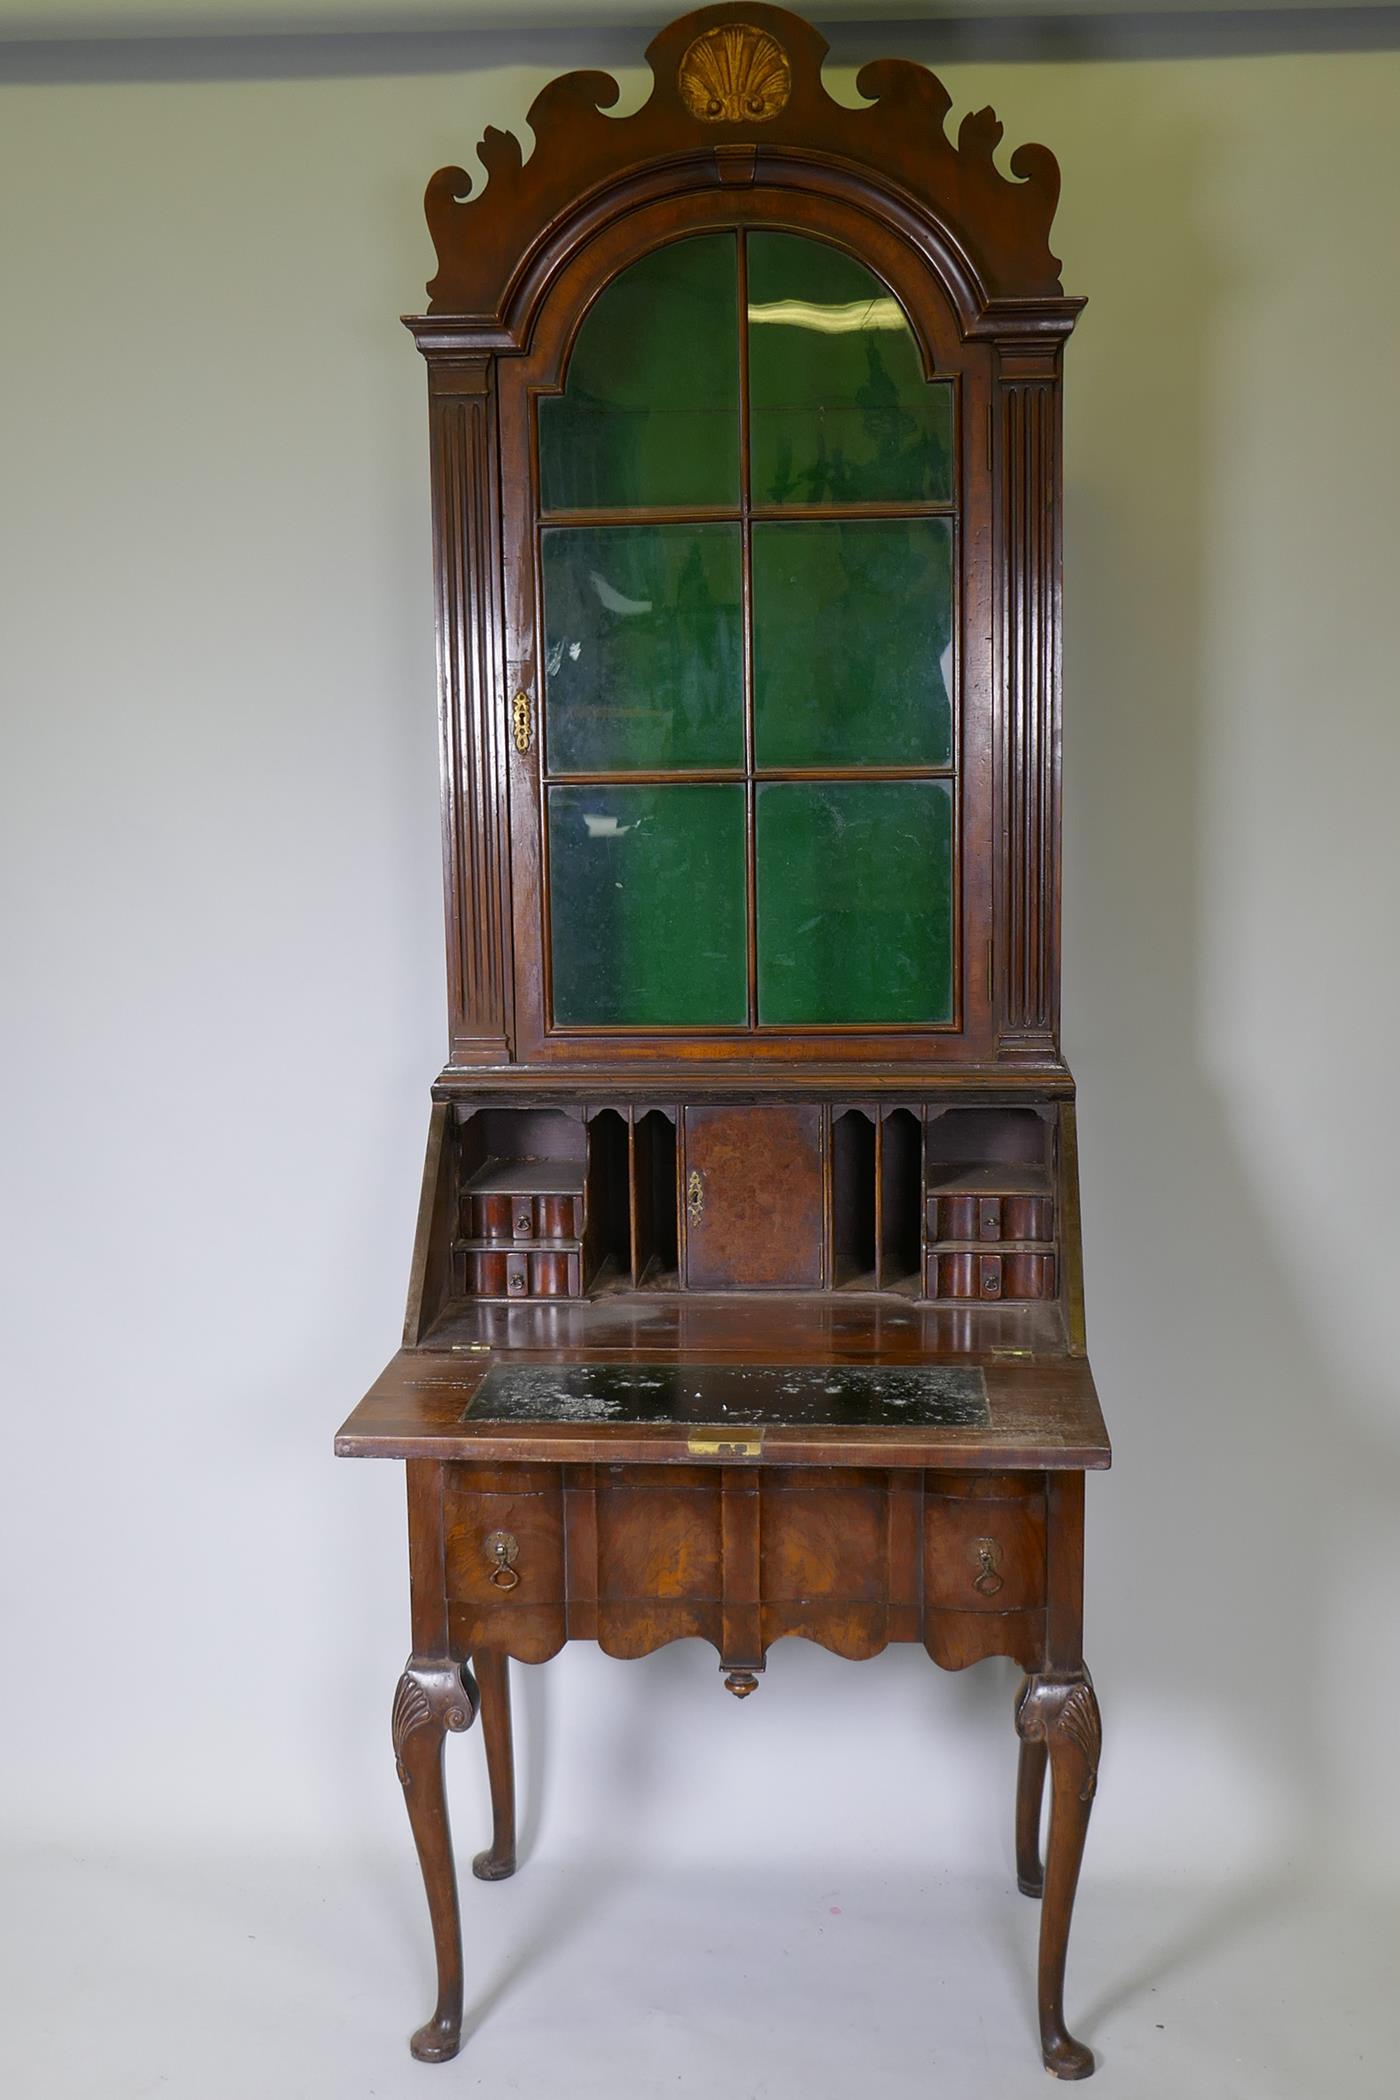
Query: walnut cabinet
{"type": "Point", "coordinates": [746, 1298]}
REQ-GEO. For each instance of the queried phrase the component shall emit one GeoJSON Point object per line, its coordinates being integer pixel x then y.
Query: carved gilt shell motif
{"type": "Point", "coordinates": [735, 75]}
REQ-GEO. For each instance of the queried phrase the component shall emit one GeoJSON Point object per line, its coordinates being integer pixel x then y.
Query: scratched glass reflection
{"type": "Point", "coordinates": [644, 648]}
{"type": "Point", "coordinates": [650, 411]}
{"type": "Point", "coordinates": [839, 408]}
{"type": "Point", "coordinates": [853, 642]}
{"type": "Point", "coordinates": [647, 910]}
{"type": "Point", "coordinates": [855, 888]}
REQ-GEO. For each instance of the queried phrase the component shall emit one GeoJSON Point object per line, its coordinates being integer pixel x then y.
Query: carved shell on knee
{"type": "Point", "coordinates": [1079, 1720]}
{"type": "Point", "coordinates": [411, 1710]}
{"type": "Point", "coordinates": [1047, 1708]}
{"type": "Point", "coordinates": [735, 75]}
{"type": "Point", "coordinates": [416, 1702]}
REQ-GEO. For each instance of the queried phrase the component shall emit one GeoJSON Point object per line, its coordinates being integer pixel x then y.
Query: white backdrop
{"type": "Point", "coordinates": [224, 991]}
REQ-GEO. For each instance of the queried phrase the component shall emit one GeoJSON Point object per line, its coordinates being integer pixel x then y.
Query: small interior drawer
{"type": "Point", "coordinates": [982, 1216]}
{"type": "Point", "coordinates": [514, 1218]}
{"type": "Point", "coordinates": [968, 1272]}
{"type": "Point", "coordinates": [521, 1272]}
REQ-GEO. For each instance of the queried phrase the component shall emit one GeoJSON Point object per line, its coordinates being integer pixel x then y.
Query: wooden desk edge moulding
{"type": "Point", "coordinates": [746, 1297]}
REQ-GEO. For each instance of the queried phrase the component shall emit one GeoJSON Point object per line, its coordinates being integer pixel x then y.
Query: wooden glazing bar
{"type": "Point", "coordinates": [724, 514]}
{"type": "Point", "coordinates": [703, 776]}
{"type": "Point", "coordinates": [746, 575]}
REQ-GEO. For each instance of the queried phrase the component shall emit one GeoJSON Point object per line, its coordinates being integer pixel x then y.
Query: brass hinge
{"type": "Point", "coordinates": [521, 722]}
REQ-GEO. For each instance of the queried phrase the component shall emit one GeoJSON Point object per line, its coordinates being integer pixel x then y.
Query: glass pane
{"type": "Point", "coordinates": [839, 409]}
{"type": "Point", "coordinates": [647, 906]}
{"type": "Point", "coordinates": [852, 639]}
{"type": "Point", "coordinates": [650, 412]}
{"type": "Point", "coordinates": [644, 649]}
{"type": "Point", "coordinates": [855, 917]}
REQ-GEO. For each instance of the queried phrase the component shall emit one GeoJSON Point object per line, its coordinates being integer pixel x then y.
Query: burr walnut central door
{"type": "Point", "coordinates": [753, 1198]}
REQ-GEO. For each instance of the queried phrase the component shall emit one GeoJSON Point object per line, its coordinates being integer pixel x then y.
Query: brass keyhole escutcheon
{"type": "Point", "coordinates": [987, 1582]}
{"type": "Point", "coordinates": [695, 1197]}
{"type": "Point", "coordinates": [502, 1547]}
{"type": "Point", "coordinates": [521, 722]}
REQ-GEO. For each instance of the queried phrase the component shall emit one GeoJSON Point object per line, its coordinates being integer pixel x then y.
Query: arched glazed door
{"type": "Point", "coordinates": [735, 499]}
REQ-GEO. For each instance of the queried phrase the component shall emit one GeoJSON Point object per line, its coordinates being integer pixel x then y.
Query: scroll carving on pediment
{"type": "Point", "coordinates": [723, 77]}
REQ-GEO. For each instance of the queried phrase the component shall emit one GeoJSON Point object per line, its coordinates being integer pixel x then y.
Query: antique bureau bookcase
{"type": "Point", "coordinates": [746, 1293]}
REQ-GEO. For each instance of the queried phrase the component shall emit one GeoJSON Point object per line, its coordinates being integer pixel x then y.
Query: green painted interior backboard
{"type": "Point", "coordinates": [748, 582]}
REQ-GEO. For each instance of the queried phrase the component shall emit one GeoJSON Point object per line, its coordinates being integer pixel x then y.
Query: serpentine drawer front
{"type": "Point", "coordinates": [504, 1521]}
{"type": "Point", "coordinates": [636, 1556]}
{"type": "Point", "coordinates": [984, 1542]}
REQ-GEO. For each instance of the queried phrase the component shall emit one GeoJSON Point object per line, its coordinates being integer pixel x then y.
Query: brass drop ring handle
{"type": "Point", "coordinates": [503, 1547]}
{"type": "Point", "coordinates": [988, 1582]}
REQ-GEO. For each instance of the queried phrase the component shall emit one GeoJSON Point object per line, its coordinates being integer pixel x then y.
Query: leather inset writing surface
{"type": "Point", "coordinates": [716, 1395]}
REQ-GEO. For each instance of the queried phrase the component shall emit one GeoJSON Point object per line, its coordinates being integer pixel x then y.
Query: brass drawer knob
{"type": "Point", "coordinates": [502, 1547]}
{"type": "Point", "coordinates": [987, 1582]}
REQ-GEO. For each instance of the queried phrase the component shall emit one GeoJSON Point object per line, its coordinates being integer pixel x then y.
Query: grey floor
{"type": "Point", "coordinates": [223, 1978]}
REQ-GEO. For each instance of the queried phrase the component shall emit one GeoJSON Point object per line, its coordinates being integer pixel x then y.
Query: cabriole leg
{"type": "Point", "coordinates": [434, 1695]}
{"type": "Point", "coordinates": [497, 1863]}
{"type": "Point", "coordinates": [1062, 1715]}
{"type": "Point", "coordinates": [1030, 1794]}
